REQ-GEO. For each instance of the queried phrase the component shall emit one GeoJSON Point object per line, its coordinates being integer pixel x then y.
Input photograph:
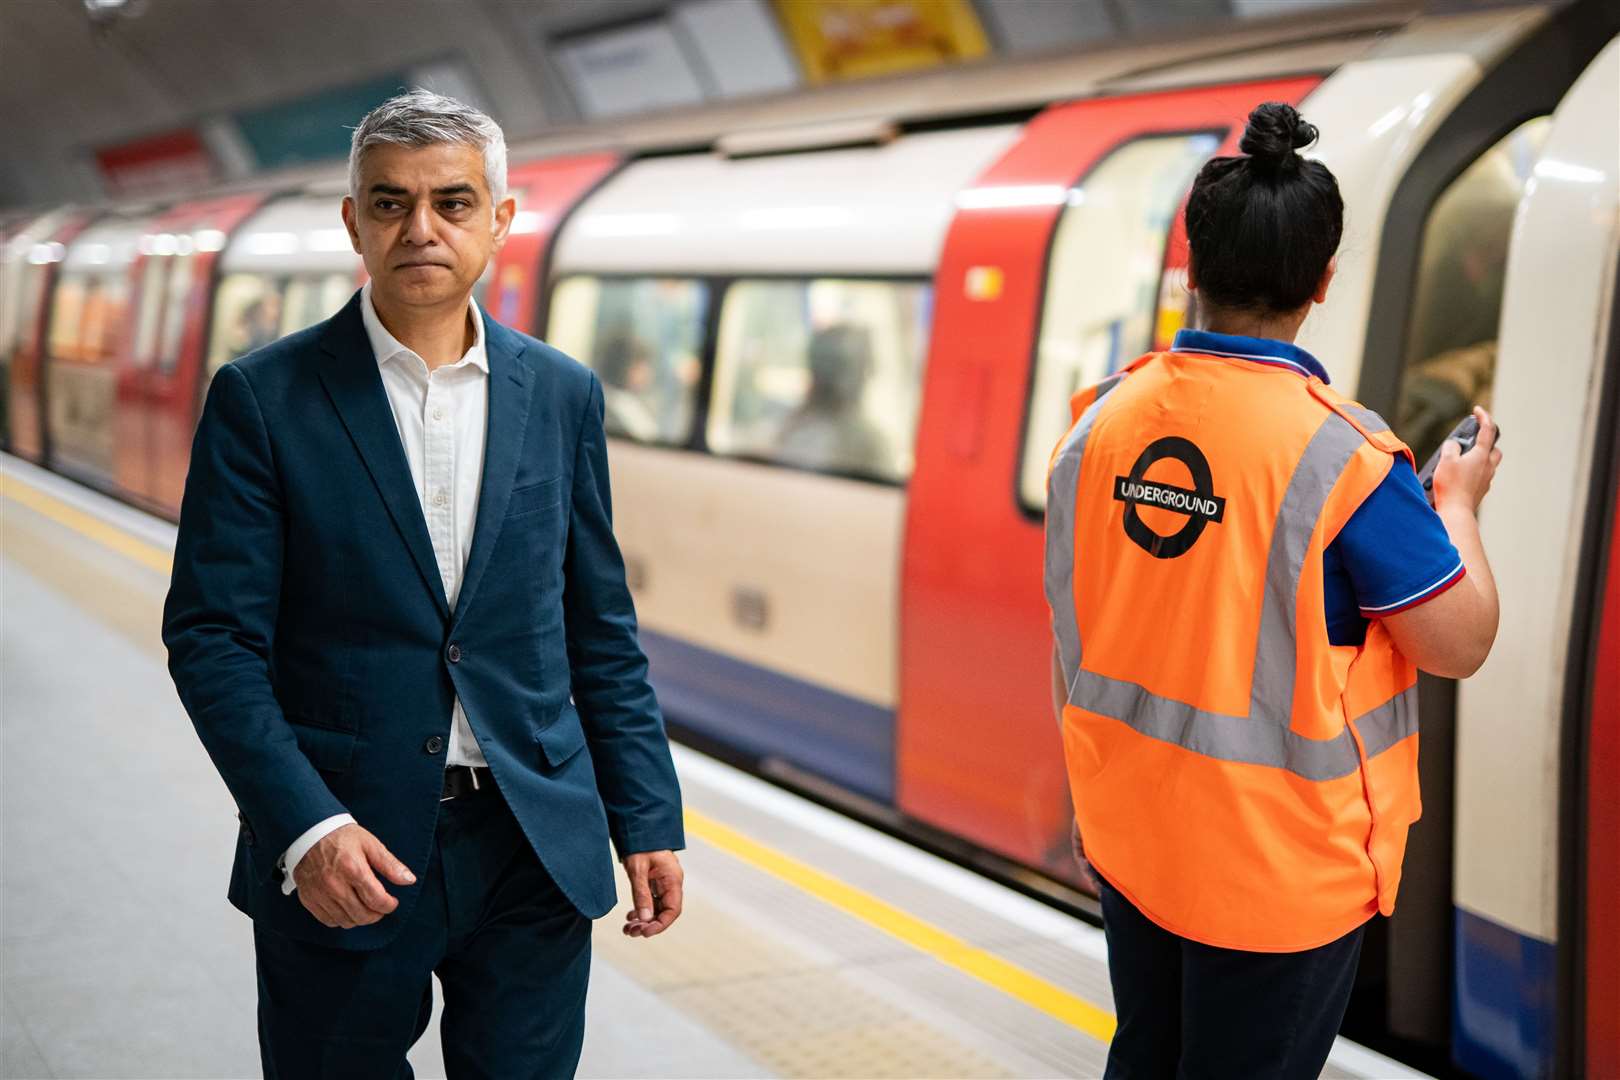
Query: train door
{"type": "Point", "coordinates": [1055, 256]}
{"type": "Point", "coordinates": [25, 383]}
{"type": "Point", "coordinates": [546, 191]}
{"type": "Point", "coordinates": [157, 391]}
{"type": "Point", "coordinates": [760, 495]}
{"type": "Point", "coordinates": [87, 337]}
{"type": "Point", "coordinates": [1535, 949]}
{"type": "Point", "coordinates": [1595, 929]}
{"type": "Point", "coordinates": [1434, 297]}
{"type": "Point", "coordinates": [22, 280]}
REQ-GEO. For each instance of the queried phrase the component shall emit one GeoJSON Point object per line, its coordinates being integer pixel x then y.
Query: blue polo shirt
{"type": "Point", "coordinates": [1393, 553]}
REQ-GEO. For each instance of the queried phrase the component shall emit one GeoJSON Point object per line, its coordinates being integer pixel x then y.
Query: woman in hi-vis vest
{"type": "Point", "coordinates": [1245, 577]}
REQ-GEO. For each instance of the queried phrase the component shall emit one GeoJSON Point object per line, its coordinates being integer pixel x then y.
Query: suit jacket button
{"type": "Point", "coordinates": [453, 653]}
{"type": "Point", "coordinates": [433, 745]}
{"type": "Point", "coordinates": [247, 830]}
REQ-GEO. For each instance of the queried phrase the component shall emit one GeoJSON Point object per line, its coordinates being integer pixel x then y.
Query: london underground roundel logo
{"type": "Point", "coordinates": [1201, 504]}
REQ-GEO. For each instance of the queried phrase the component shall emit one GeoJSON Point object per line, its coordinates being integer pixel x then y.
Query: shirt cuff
{"type": "Point", "coordinates": [300, 847]}
{"type": "Point", "coordinates": [1428, 592]}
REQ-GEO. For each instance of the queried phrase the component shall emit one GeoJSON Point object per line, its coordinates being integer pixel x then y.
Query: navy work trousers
{"type": "Point", "coordinates": [512, 955]}
{"type": "Point", "coordinates": [1188, 1010]}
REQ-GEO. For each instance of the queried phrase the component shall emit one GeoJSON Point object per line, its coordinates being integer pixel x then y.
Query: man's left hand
{"type": "Point", "coordinates": [655, 891]}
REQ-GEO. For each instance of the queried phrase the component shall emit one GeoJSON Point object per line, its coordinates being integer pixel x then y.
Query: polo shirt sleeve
{"type": "Point", "coordinates": [1394, 548]}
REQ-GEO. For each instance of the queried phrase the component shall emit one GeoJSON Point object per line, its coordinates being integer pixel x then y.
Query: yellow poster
{"type": "Point", "coordinates": [850, 39]}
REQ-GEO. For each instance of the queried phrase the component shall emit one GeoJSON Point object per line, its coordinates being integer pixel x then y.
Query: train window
{"type": "Point", "coordinates": [644, 339]}
{"type": "Point", "coordinates": [29, 293]}
{"type": "Point", "coordinates": [35, 291]}
{"type": "Point", "coordinates": [311, 298]}
{"type": "Point", "coordinates": [247, 315]}
{"type": "Point", "coordinates": [177, 294]}
{"type": "Point", "coordinates": [67, 316]}
{"type": "Point", "coordinates": [104, 310]}
{"type": "Point", "coordinates": [87, 317]}
{"type": "Point", "coordinates": [148, 320]}
{"type": "Point", "coordinates": [1450, 356]}
{"type": "Point", "coordinates": [1102, 282]}
{"type": "Point", "coordinates": [821, 374]}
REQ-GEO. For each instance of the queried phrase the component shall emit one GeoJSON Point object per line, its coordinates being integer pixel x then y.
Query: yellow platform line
{"type": "Point", "coordinates": [88, 525]}
{"type": "Point", "coordinates": [948, 949]}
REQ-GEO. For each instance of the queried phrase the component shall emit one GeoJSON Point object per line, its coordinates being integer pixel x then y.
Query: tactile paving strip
{"type": "Point", "coordinates": [779, 996]}
{"type": "Point", "coordinates": [811, 991]}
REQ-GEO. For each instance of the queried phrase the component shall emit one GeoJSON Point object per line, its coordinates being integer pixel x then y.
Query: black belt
{"type": "Point", "coordinates": [463, 780]}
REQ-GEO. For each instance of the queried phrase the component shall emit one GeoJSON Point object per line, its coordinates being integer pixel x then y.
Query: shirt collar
{"type": "Point", "coordinates": [1259, 350]}
{"type": "Point", "coordinates": [386, 346]}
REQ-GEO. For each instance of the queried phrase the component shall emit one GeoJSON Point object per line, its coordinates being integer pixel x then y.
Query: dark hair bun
{"type": "Point", "coordinates": [1275, 131]}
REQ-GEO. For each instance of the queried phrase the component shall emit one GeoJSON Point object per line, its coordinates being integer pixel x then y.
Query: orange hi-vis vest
{"type": "Point", "coordinates": [1241, 780]}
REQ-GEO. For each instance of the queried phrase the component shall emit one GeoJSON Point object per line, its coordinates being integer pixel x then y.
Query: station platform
{"type": "Point", "coordinates": [811, 945]}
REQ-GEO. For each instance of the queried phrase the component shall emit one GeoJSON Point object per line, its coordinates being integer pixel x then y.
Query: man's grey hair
{"type": "Point", "coordinates": [422, 118]}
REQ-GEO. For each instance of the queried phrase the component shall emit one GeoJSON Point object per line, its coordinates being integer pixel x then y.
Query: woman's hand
{"type": "Point", "coordinates": [1461, 480]}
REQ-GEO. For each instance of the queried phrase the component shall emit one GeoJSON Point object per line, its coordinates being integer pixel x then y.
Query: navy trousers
{"type": "Point", "coordinates": [1188, 1010]}
{"type": "Point", "coordinates": [512, 955]}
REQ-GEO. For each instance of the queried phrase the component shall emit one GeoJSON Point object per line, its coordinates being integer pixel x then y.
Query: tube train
{"type": "Point", "coordinates": [837, 334]}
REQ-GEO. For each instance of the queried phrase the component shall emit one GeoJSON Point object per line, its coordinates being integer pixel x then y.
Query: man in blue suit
{"type": "Point", "coordinates": [399, 622]}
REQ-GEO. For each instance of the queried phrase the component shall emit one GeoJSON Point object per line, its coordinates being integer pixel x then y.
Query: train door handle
{"type": "Point", "coordinates": [750, 608]}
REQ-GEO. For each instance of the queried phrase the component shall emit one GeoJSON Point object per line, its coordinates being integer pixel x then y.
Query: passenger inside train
{"type": "Point", "coordinates": [258, 326]}
{"type": "Point", "coordinates": [624, 364]}
{"type": "Point", "coordinates": [830, 431]}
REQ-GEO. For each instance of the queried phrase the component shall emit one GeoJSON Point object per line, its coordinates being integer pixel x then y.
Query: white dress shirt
{"type": "Point", "coordinates": [441, 416]}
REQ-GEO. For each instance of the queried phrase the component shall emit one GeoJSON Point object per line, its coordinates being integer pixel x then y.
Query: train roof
{"type": "Point", "coordinates": [110, 243]}
{"type": "Point", "coordinates": [295, 233]}
{"type": "Point", "coordinates": [877, 209]}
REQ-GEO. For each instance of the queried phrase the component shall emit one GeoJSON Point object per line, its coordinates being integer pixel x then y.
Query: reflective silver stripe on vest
{"type": "Point", "coordinates": [1262, 737]}
{"type": "Point", "coordinates": [1365, 417]}
{"type": "Point", "coordinates": [1245, 739]}
{"type": "Point", "coordinates": [1061, 483]}
{"type": "Point", "coordinates": [1391, 722]}
{"type": "Point", "coordinates": [1271, 692]}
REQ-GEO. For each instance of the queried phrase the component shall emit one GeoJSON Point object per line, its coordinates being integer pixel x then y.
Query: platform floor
{"type": "Point", "coordinates": [811, 945]}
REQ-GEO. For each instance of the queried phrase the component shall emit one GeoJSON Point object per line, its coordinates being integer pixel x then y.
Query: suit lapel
{"type": "Point", "coordinates": [509, 400]}
{"type": "Point", "coordinates": [355, 387]}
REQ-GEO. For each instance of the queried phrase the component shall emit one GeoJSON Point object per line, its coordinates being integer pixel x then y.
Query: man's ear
{"type": "Point", "coordinates": [1192, 278]}
{"type": "Point", "coordinates": [505, 210]}
{"type": "Point", "coordinates": [1327, 279]}
{"type": "Point", "coordinates": [349, 223]}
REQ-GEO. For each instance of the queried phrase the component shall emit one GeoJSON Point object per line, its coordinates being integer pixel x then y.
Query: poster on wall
{"type": "Point", "coordinates": [852, 39]}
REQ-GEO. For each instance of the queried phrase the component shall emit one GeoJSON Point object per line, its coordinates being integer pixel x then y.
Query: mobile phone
{"type": "Point", "coordinates": [1464, 435]}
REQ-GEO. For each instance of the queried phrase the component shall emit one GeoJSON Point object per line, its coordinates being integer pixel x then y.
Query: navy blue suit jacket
{"type": "Point", "coordinates": [309, 636]}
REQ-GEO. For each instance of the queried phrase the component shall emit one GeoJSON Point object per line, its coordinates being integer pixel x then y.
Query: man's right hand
{"type": "Point", "coordinates": [337, 878]}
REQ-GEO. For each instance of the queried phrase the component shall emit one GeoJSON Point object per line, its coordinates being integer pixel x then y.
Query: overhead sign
{"type": "Point", "coordinates": [629, 69]}
{"type": "Point", "coordinates": [317, 127]}
{"type": "Point", "coordinates": [159, 163]}
{"type": "Point", "coordinates": [851, 39]}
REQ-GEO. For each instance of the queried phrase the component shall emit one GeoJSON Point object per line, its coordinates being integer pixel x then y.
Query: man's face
{"type": "Point", "coordinates": [423, 222]}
